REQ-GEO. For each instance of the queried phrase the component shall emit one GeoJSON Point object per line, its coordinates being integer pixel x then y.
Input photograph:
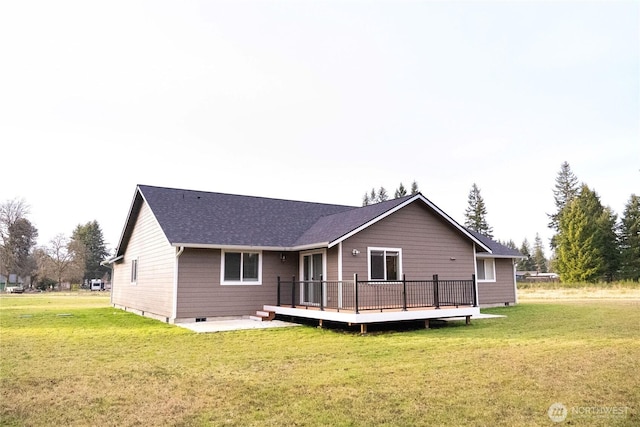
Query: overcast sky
{"type": "Point", "coordinates": [317, 101]}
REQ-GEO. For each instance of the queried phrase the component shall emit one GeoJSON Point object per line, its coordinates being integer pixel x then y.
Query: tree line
{"type": "Point", "coordinates": [589, 243]}
{"type": "Point", "coordinates": [64, 259]}
{"type": "Point", "coordinates": [381, 195]}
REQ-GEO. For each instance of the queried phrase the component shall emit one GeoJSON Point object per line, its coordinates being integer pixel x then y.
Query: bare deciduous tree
{"type": "Point", "coordinates": [60, 259]}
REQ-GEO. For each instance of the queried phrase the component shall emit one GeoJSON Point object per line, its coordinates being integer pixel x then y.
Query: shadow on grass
{"type": "Point", "coordinates": [376, 328]}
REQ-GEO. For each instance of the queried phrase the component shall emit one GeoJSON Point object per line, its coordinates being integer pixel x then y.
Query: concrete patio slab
{"type": "Point", "coordinates": [226, 324]}
{"type": "Point", "coordinates": [233, 325]}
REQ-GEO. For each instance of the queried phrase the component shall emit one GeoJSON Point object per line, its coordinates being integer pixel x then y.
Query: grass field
{"type": "Point", "coordinates": [73, 360]}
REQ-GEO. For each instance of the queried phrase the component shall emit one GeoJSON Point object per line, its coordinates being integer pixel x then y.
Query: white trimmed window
{"type": "Point", "coordinates": [134, 270]}
{"type": "Point", "coordinates": [385, 263]}
{"type": "Point", "coordinates": [241, 268]}
{"type": "Point", "coordinates": [486, 270]}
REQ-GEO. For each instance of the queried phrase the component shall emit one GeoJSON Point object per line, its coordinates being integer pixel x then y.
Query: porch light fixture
{"type": "Point", "coordinates": [452, 258]}
{"type": "Point", "coordinates": [355, 252]}
{"type": "Point", "coordinates": [283, 257]}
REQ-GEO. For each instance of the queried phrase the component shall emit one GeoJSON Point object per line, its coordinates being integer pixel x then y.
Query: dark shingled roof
{"type": "Point", "coordinates": [497, 249]}
{"type": "Point", "coordinates": [200, 218]}
{"type": "Point", "coordinates": [331, 227]}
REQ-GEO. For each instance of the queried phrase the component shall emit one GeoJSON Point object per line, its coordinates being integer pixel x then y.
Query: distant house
{"type": "Point", "coordinates": [534, 276]}
{"type": "Point", "coordinates": [14, 279]}
{"type": "Point", "coordinates": [191, 256]}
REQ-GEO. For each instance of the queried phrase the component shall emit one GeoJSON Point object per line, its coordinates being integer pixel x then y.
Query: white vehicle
{"type": "Point", "coordinates": [96, 285]}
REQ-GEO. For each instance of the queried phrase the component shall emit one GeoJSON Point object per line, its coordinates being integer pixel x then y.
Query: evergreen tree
{"type": "Point", "coordinates": [11, 212]}
{"type": "Point", "coordinates": [511, 244]}
{"type": "Point", "coordinates": [539, 260]}
{"type": "Point", "coordinates": [400, 192]}
{"type": "Point", "coordinates": [526, 263]}
{"type": "Point", "coordinates": [630, 239]}
{"type": "Point", "coordinates": [475, 215]}
{"type": "Point", "coordinates": [21, 242]}
{"type": "Point", "coordinates": [382, 195]}
{"type": "Point", "coordinates": [608, 242]}
{"type": "Point", "coordinates": [566, 189]}
{"type": "Point", "coordinates": [88, 238]}
{"type": "Point", "coordinates": [414, 188]}
{"type": "Point", "coordinates": [578, 255]}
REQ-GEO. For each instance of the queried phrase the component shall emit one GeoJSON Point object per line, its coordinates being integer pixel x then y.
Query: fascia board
{"type": "Point", "coordinates": [252, 247]}
{"type": "Point", "coordinates": [486, 255]}
{"type": "Point", "coordinates": [128, 220]}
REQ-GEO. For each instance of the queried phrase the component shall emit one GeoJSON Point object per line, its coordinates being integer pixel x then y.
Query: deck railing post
{"type": "Point", "coordinates": [436, 296]}
{"type": "Point", "coordinates": [404, 293]}
{"type": "Point", "coordinates": [475, 294]}
{"type": "Point", "coordinates": [293, 291]}
{"type": "Point", "coordinates": [321, 294]}
{"type": "Point", "coordinates": [355, 291]}
{"type": "Point", "coordinates": [278, 299]}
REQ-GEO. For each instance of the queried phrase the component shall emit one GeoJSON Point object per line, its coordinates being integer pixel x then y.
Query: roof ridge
{"type": "Point", "coordinates": [245, 196]}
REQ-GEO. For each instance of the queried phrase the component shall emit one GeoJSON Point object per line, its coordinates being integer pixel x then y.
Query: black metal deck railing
{"type": "Point", "coordinates": [355, 295]}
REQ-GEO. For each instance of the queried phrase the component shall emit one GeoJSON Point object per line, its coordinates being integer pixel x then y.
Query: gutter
{"type": "Point", "coordinates": [253, 247]}
{"type": "Point", "coordinates": [111, 260]}
{"type": "Point", "coordinates": [490, 255]}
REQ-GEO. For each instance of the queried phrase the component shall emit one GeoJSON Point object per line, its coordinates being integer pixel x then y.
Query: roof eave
{"type": "Point", "coordinates": [488, 255]}
{"type": "Point", "coordinates": [127, 224]}
{"type": "Point", "coordinates": [252, 247]}
{"type": "Point", "coordinates": [111, 260]}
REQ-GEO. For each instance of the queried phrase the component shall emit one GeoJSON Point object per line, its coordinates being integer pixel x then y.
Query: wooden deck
{"type": "Point", "coordinates": [366, 316]}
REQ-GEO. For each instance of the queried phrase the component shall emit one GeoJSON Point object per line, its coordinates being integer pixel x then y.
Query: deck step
{"type": "Point", "coordinates": [262, 316]}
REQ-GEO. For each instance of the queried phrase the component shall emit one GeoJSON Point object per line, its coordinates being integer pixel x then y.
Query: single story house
{"type": "Point", "coordinates": [189, 255]}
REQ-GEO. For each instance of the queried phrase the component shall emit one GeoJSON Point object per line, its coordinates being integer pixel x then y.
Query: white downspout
{"type": "Point", "coordinates": [340, 262]}
{"type": "Point", "coordinates": [106, 263]}
{"type": "Point", "coordinates": [340, 275]}
{"type": "Point", "coordinates": [174, 313]}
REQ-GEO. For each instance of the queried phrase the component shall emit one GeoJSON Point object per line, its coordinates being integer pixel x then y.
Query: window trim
{"type": "Point", "coordinates": [493, 266]}
{"type": "Point", "coordinates": [134, 271]}
{"type": "Point", "coordinates": [385, 250]}
{"type": "Point", "coordinates": [240, 282]}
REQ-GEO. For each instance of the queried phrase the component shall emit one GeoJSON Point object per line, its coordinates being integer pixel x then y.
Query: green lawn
{"type": "Point", "coordinates": [73, 360]}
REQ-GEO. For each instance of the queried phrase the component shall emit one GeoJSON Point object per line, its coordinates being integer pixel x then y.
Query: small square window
{"type": "Point", "coordinates": [241, 268]}
{"type": "Point", "coordinates": [486, 270]}
{"type": "Point", "coordinates": [384, 264]}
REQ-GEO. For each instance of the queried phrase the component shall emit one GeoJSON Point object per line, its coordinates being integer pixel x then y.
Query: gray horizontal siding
{"type": "Point", "coordinates": [427, 242]}
{"type": "Point", "coordinates": [200, 293]}
{"type": "Point", "coordinates": [502, 291]}
{"type": "Point", "coordinates": [153, 291]}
